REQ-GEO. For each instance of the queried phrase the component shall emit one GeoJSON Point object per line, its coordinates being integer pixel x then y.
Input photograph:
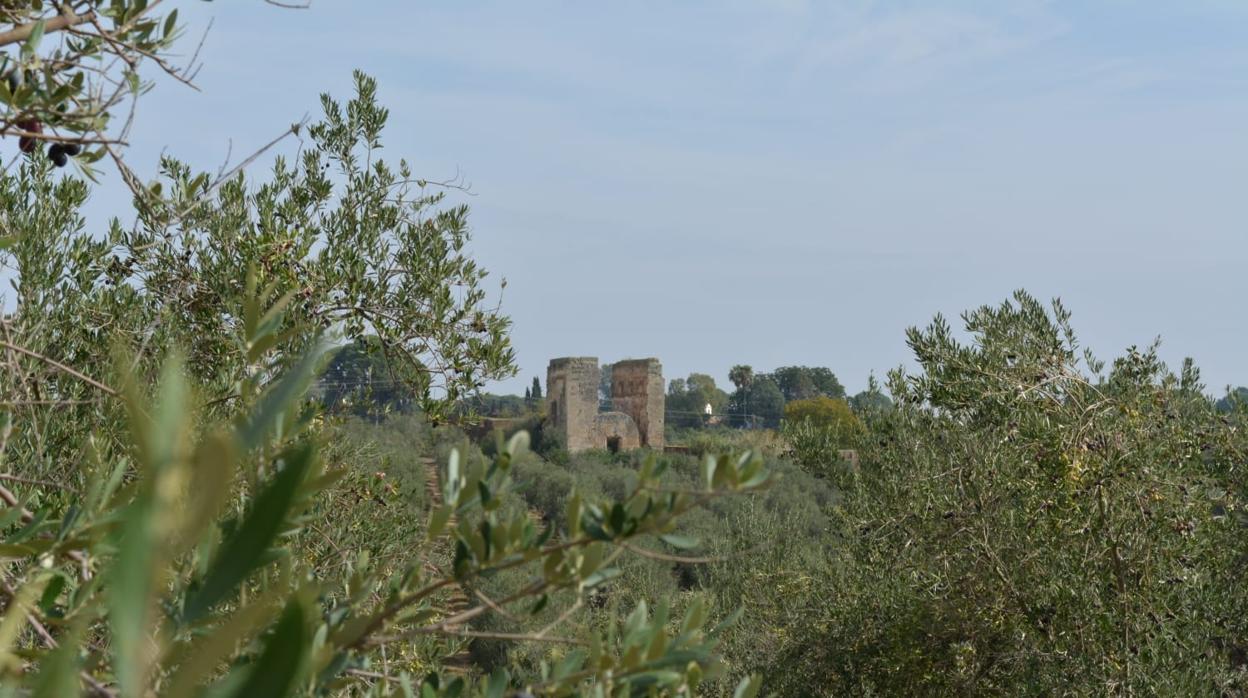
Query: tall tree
{"type": "Point", "coordinates": [687, 399]}
{"type": "Point", "coordinates": [604, 382]}
{"type": "Point", "coordinates": [220, 457]}
{"type": "Point", "coordinates": [766, 402]}
{"type": "Point", "coordinates": [536, 391]}
{"type": "Point", "coordinates": [201, 549]}
{"type": "Point", "coordinates": [703, 392]}
{"type": "Point", "coordinates": [871, 401]}
{"type": "Point", "coordinates": [359, 380]}
{"type": "Point", "coordinates": [804, 382]}
{"type": "Point", "coordinates": [180, 276]}
{"type": "Point", "coordinates": [1023, 502]}
{"type": "Point", "coordinates": [676, 388]}
{"type": "Point", "coordinates": [741, 375]}
{"type": "Point", "coordinates": [822, 411]}
{"type": "Point", "coordinates": [1233, 399]}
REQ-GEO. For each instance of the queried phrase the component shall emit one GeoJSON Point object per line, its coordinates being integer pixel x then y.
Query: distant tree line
{"type": "Point", "coordinates": [1236, 399]}
{"type": "Point", "coordinates": [359, 380]}
{"type": "Point", "coordinates": [760, 399]}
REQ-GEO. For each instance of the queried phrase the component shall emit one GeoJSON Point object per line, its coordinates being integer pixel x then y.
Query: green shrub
{"type": "Point", "coordinates": [824, 411]}
{"type": "Point", "coordinates": [1029, 524]}
{"type": "Point", "coordinates": [176, 528]}
{"type": "Point", "coordinates": [817, 447]}
{"type": "Point", "coordinates": [761, 555]}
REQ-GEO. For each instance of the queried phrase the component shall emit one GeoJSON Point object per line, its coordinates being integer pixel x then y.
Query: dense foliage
{"type": "Point", "coordinates": [77, 63]}
{"type": "Point", "coordinates": [155, 540]}
{"type": "Point", "coordinates": [1024, 521]}
{"type": "Point", "coordinates": [689, 398]}
{"type": "Point", "coordinates": [68, 70]}
{"type": "Point", "coordinates": [224, 468]}
{"type": "Point", "coordinates": [728, 556]}
{"type": "Point", "coordinates": [825, 412]}
{"type": "Point", "coordinates": [1028, 523]}
{"type": "Point", "coordinates": [360, 380]}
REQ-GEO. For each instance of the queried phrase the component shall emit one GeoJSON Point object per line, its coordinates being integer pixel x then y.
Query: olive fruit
{"type": "Point", "coordinates": [27, 143]}
{"type": "Point", "coordinates": [57, 155]}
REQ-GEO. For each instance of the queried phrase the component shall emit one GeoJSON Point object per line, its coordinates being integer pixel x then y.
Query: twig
{"type": "Point", "coordinates": [31, 481]}
{"type": "Point", "coordinates": [97, 688]}
{"type": "Point", "coordinates": [562, 617]}
{"type": "Point", "coordinates": [53, 138]}
{"type": "Point", "coordinates": [54, 403]}
{"type": "Point", "coordinates": [482, 634]}
{"type": "Point", "coordinates": [23, 32]}
{"type": "Point", "coordinates": [222, 178]}
{"type": "Point", "coordinates": [665, 557]}
{"type": "Point", "coordinates": [195, 56]}
{"type": "Point", "coordinates": [498, 609]}
{"type": "Point", "coordinates": [58, 365]}
{"type": "Point", "coordinates": [11, 500]}
{"type": "Point", "coordinates": [371, 675]}
{"type": "Point", "coordinates": [673, 558]}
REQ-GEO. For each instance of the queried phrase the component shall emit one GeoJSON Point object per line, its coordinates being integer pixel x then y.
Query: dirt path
{"type": "Point", "coordinates": [457, 602]}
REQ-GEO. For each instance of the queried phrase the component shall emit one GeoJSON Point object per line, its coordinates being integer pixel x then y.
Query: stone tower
{"type": "Point", "coordinates": [637, 401]}
{"type": "Point", "coordinates": [637, 390]}
{"type": "Point", "coordinates": [572, 400]}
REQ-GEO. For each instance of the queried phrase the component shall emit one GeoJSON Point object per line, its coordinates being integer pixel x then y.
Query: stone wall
{"type": "Point", "coordinates": [637, 396]}
{"type": "Point", "coordinates": [572, 400]}
{"type": "Point", "coordinates": [616, 431]}
{"type": "Point", "coordinates": [637, 390]}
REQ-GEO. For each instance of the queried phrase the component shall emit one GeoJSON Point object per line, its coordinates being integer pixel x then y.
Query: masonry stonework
{"type": "Point", "coordinates": [637, 391]}
{"type": "Point", "coordinates": [616, 431]}
{"type": "Point", "coordinates": [572, 400]}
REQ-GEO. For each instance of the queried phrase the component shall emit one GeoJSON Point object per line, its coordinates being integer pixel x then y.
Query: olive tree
{"type": "Point", "coordinates": [1031, 521]}
{"type": "Point", "coordinates": [71, 72]}
{"type": "Point", "coordinates": [161, 455]}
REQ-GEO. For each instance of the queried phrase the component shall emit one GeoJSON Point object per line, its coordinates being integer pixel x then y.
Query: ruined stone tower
{"type": "Point", "coordinates": [572, 400]}
{"type": "Point", "coordinates": [637, 399]}
{"type": "Point", "coordinates": [637, 390]}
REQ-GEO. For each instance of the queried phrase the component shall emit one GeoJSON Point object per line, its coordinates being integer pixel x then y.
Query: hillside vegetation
{"type": "Point", "coordinates": [238, 458]}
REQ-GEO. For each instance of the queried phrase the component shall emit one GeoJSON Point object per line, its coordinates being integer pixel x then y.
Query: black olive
{"type": "Point", "coordinates": [57, 155]}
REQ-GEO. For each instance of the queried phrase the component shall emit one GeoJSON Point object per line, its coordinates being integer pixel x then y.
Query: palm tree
{"type": "Point", "coordinates": [742, 376]}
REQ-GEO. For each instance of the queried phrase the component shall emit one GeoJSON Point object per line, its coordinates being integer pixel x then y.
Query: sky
{"type": "Point", "coordinates": [780, 182]}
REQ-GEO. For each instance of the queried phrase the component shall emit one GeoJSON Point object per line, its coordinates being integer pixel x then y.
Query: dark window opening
{"type": "Point", "coordinates": [613, 444]}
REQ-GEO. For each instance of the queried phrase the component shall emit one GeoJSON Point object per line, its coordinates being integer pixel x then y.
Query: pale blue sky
{"type": "Point", "coordinates": [786, 182]}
